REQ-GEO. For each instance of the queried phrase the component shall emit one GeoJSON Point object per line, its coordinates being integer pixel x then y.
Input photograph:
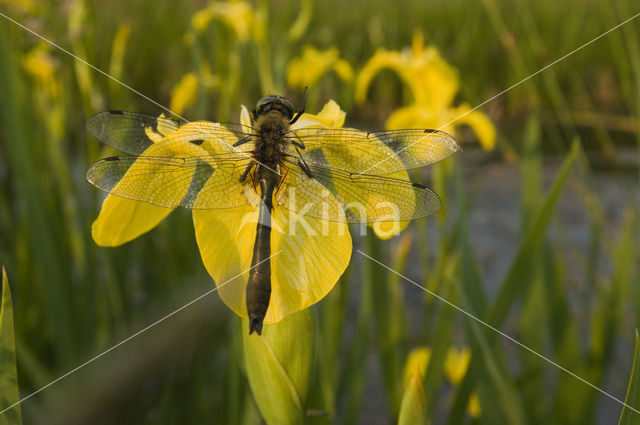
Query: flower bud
{"type": "Point", "coordinates": [413, 409]}
{"type": "Point", "coordinates": [278, 364]}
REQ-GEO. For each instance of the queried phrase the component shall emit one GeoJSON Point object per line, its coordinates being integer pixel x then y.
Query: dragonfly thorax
{"type": "Point", "coordinates": [271, 129]}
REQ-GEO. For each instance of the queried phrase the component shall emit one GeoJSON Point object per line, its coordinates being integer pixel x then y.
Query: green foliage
{"type": "Point", "coordinates": [9, 390]}
{"type": "Point", "coordinates": [628, 416]}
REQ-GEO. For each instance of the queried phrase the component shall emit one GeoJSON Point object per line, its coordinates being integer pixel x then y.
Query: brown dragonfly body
{"type": "Point", "coordinates": [272, 117]}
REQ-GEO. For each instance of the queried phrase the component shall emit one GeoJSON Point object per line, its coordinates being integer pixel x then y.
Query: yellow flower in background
{"type": "Point", "coordinates": [185, 92]}
{"type": "Point", "coordinates": [311, 258]}
{"type": "Point", "coordinates": [456, 364]}
{"type": "Point", "coordinates": [239, 16]}
{"type": "Point", "coordinates": [306, 70]}
{"type": "Point", "coordinates": [433, 84]}
{"type": "Point", "coordinates": [23, 7]}
{"type": "Point", "coordinates": [42, 67]}
{"type": "Point", "coordinates": [455, 367]}
{"type": "Point", "coordinates": [417, 361]}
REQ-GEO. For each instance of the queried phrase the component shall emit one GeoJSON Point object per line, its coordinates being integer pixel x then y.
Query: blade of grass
{"type": "Point", "coordinates": [35, 201]}
{"type": "Point", "coordinates": [388, 303]}
{"type": "Point", "coordinates": [353, 377]}
{"type": "Point", "coordinates": [493, 363]}
{"type": "Point", "coordinates": [517, 277]}
{"type": "Point", "coordinates": [9, 392]}
{"type": "Point", "coordinates": [520, 269]}
{"type": "Point", "coordinates": [628, 417]}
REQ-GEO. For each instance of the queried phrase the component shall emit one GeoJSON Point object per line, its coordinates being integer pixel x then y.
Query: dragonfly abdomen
{"type": "Point", "coordinates": [259, 284]}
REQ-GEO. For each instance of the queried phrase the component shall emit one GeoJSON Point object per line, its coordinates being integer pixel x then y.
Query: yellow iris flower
{"type": "Point", "coordinates": [434, 84]}
{"type": "Point", "coordinates": [306, 70]}
{"type": "Point", "coordinates": [312, 256]}
{"type": "Point", "coordinates": [455, 367]}
{"type": "Point", "coordinates": [239, 16]}
{"type": "Point", "coordinates": [40, 64]}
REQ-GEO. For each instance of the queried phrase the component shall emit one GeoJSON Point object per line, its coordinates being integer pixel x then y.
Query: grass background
{"type": "Point", "coordinates": [573, 299]}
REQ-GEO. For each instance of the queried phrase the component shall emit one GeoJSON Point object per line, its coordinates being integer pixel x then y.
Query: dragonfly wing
{"type": "Point", "coordinates": [356, 198]}
{"type": "Point", "coordinates": [133, 133]}
{"type": "Point", "coordinates": [379, 153]}
{"type": "Point", "coordinates": [130, 132]}
{"type": "Point", "coordinates": [192, 179]}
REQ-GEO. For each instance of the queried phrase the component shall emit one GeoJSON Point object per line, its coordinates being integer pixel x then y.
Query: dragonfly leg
{"type": "Point", "coordinates": [297, 142]}
{"type": "Point", "coordinates": [285, 172]}
{"type": "Point", "coordinates": [304, 104]}
{"type": "Point", "coordinates": [242, 141]}
{"type": "Point", "coordinates": [245, 173]}
{"type": "Point", "coordinates": [303, 164]}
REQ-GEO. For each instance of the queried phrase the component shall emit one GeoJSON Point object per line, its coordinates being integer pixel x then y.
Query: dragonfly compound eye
{"type": "Point", "coordinates": [277, 103]}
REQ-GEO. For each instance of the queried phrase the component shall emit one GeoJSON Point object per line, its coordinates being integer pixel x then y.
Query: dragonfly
{"type": "Point", "coordinates": [206, 165]}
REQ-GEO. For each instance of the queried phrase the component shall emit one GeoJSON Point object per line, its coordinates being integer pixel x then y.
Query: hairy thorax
{"type": "Point", "coordinates": [271, 129]}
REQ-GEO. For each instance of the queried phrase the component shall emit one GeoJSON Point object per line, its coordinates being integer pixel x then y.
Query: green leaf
{"type": "Point", "coordinates": [9, 393]}
{"type": "Point", "coordinates": [521, 269]}
{"type": "Point", "coordinates": [353, 373]}
{"type": "Point", "coordinates": [279, 365]}
{"type": "Point", "coordinates": [388, 303]}
{"type": "Point", "coordinates": [628, 416]}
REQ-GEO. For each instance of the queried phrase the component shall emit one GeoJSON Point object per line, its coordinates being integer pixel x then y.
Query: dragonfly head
{"type": "Point", "coordinates": [274, 103]}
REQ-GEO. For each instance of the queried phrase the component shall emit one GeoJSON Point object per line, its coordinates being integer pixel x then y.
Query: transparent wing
{"type": "Point", "coordinates": [357, 198]}
{"type": "Point", "coordinates": [129, 131]}
{"type": "Point", "coordinates": [133, 133]}
{"type": "Point", "coordinates": [378, 153]}
{"type": "Point", "coordinates": [206, 182]}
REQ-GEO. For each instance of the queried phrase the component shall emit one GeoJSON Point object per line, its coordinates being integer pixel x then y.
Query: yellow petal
{"type": "Point", "coordinates": [307, 69]}
{"type": "Point", "coordinates": [333, 117]}
{"type": "Point", "coordinates": [312, 260]}
{"type": "Point", "coordinates": [382, 58]}
{"type": "Point", "coordinates": [418, 116]}
{"type": "Point", "coordinates": [344, 70]}
{"type": "Point", "coordinates": [238, 16]}
{"type": "Point", "coordinates": [330, 116]}
{"type": "Point", "coordinates": [201, 19]}
{"type": "Point", "coordinates": [313, 256]}
{"type": "Point", "coordinates": [479, 123]}
{"type": "Point", "coordinates": [332, 112]}
{"type": "Point", "coordinates": [388, 229]}
{"type": "Point", "coordinates": [456, 363]}
{"type": "Point", "coordinates": [245, 116]}
{"type": "Point", "coordinates": [121, 220]}
{"type": "Point", "coordinates": [432, 81]}
{"type": "Point", "coordinates": [417, 362]}
{"type": "Point", "coordinates": [474, 406]}
{"type": "Point", "coordinates": [225, 238]}
{"type": "Point", "coordinates": [184, 93]}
